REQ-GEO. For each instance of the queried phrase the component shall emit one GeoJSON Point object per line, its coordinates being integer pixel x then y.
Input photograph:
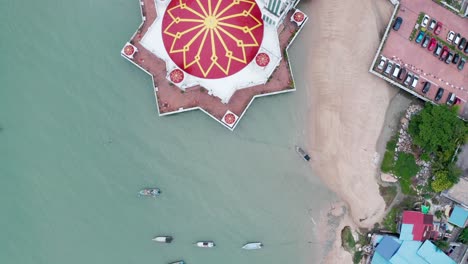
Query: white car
{"type": "Point", "coordinates": [432, 24]}
{"type": "Point", "coordinates": [450, 36]}
{"type": "Point", "coordinates": [382, 62]}
{"type": "Point", "coordinates": [457, 39]}
{"type": "Point", "coordinates": [425, 21]}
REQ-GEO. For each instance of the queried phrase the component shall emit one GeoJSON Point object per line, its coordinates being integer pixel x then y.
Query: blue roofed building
{"type": "Point", "coordinates": [391, 250]}
{"type": "Point", "coordinates": [459, 216]}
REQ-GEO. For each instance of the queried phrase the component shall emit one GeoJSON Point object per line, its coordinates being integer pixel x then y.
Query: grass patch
{"type": "Point", "coordinates": [347, 239]}
{"type": "Point", "coordinates": [390, 222]}
{"type": "Point", "coordinates": [388, 194]}
{"type": "Point", "coordinates": [418, 22]}
{"type": "Point", "coordinates": [391, 144]}
{"type": "Point", "coordinates": [406, 168]}
{"type": "Point", "coordinates": [357, 257]}
{"type": "Point", "coordinates": [388, 162]}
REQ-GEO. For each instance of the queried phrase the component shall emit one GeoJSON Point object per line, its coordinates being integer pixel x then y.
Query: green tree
{"type": "Point", "coordinates": [437, 129]}
{"type": "Point", "coordinates": [442, 244]}
{"type": "Point", "coordinates": [441, 182]}
{"type": "Point", "coordinates": [406, 166]}
{"type": "Point", "coordinates": [464, 236]}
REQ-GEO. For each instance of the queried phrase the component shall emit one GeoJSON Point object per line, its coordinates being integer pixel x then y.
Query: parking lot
{"type": "Point", "coordinates": [423, 63]}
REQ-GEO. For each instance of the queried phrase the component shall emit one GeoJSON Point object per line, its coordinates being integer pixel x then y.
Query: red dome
{"type": "Point", "coordinates": [229, 119]}
{"type": "Point", "coordinates": [176, 76]}
{"type": "Point", "coordinates": [212, 39]}
{"type": "Point", "coordinates": [129, 50]}
{"type": "Point", "coordinates": [299, 17]}
{"type": "Point", "coordinates": [262, 59]}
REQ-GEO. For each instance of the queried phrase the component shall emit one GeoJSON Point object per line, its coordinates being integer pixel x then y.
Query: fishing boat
{"type": "Point", "coordinates": [153, 192]}
{"type": "Point", "coordinates": [178, 262]}
{"type": "Point", "coordinates": [205, 244]}
{"type": "Point", "coordinates": [163, 239]}
{"type": "Point", "coordinates": [253, 245]}
{"type": "Point", "coordinates": [302, 153]}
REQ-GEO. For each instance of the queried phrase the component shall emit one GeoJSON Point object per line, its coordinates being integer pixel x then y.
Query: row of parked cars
{"type": "Point", "coordinates": [431, 43]}
{"type": "Point", "coordinates": [410, 79]}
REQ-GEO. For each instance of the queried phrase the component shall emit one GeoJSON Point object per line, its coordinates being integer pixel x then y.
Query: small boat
{"type": "Point", "coordinates": [153, 192]}
{"type": "Point", "coordinates": [178, 262]}
{"type": "Point", "coordinates": [205, 244]}
{"type": "Point", "coordinates": [163, 239]}
{"type": "Point", "coordinates": [302, 153]}
{"type": "Point", "coordinates": [253, 245]}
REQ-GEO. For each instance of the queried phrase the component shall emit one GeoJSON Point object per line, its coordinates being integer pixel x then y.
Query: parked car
{"type": "Point", "coordinates": [462, 43]}
{"type": "Point", "coordinates": [438, 28]}
{"type": "Point", "coordinates": [432, 24]}
{"type": "Point", "coordinates": [396, 71]}
{"type": "Point", "coordinates": [456, 58]}
{"type": "Point", "coordinates": [438, 50]}
{"type": "Point", "coordinates": [382, 62]}
{"type": "Point", "coordinates": [461, 64]}
{"type": "Point", "coordinates": [389, 68]}
{"type": "Point", "coordinates": [420, 36]}
{"type": "Point", "coordinates": [439, 94]}
{"type": "Point", "coordinates": [445, 52]}
{"type": "Point", "coordinates": [408, 79]}
{"type": "Point", "coordinates": [450, 36]}
{"type": "Point", "coordinates": [466, 48]}
{"type": "Point", "coordinates": [425, 42]}
{"type": "Point", "coordinates": [402, 74]}
{"type": "Point", "coordinates": [432, 44]}
{"type": "Point", "coordinates": [426, 87]}
{"type": "Point", "coordinates": [457, 39]}
{"type": "Point", "coordinates": [415, 81]}
{"type": "Point", "coordinates": [449, 58]}
{"type": "Point", "coordinates": [451, 98]}
{"type": "Point", "coordinates": [397, 24]}
{"type": "Point", "coordinates": [425, 21]}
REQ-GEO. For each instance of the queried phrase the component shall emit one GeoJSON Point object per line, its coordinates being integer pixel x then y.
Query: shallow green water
{"type": "Point", "coordinates": [79, 136]}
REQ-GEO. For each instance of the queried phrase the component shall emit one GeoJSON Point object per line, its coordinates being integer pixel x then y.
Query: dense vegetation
{"type": "Point", "coordinates": [464, 236]}
{"type": "Point", "coordinates": [438, 131]}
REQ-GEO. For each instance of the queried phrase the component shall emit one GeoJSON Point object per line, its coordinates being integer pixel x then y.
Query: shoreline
{"type": "Point", "coordinates": [347, 115]}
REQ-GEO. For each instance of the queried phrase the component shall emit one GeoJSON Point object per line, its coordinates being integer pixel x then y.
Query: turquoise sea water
{"type": "Point", "coordinates": [80, 135]}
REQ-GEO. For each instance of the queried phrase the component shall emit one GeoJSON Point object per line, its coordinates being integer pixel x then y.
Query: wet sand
{"type": "Point", "coordinates": [347, 108]}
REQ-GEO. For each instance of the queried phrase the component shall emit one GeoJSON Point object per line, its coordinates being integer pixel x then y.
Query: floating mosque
{"type": "Point", "coordinates": [216, 56]}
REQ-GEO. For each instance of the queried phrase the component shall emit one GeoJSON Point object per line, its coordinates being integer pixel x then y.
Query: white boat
{"type": "Point", "coordinates": [163, 239]}
{"type": "Point", "coordinates": [253, 245]}
{"type": "Point", "coordinates": [205, 244]}
{"type": "Point", "coordinates": [153, 192]}
{"type": "Point", "coordinates": [302, 153]}
{"type": "Point", "coordinates": [178, 262]}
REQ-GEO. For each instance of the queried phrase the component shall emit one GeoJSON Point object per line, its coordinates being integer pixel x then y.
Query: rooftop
{"type": "Point", "coordinates": [416, 226]}
{"type": "Point", "coordinates": [458, 192]}
{"type": "Point", "coordinates": [459, 216]}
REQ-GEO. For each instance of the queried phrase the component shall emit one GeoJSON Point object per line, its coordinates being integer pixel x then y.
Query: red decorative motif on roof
{"type": "Point", "coordinates": [262, 59]}
{"type": "Point", "coordinates": [176, 76]}
{"type": "Point", "coordinates": [212, 39]}
{"type": "Point", "coordinates": [129, 50]}
{"type": "Point", "coordinates": [298, 16]}
{"type": "Point", "coordinates": [229, 119]}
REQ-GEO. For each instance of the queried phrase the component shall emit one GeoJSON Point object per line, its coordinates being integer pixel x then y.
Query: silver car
{"type": "Point", "coordinates": [408, 79]}
{"type": "Point", "coordinates": [389, 68]}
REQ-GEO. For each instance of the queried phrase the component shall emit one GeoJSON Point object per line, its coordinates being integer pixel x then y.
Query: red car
{"type": "Point", "coordinates": [445, 52]}
{"type": "Point", "coordinates": [438, 28]}
{"type": "Point", "coordinates": [432, 44]}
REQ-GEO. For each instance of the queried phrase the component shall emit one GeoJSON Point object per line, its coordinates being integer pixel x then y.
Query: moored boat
{"type": "Point", "coordinates": [253, 245]}
{"type": "Point", "coordinates": [205, 244]}
{"type": "Point", "coordinates": [302, 153]}
{"type": "Point", "coordinates": [163, 239]}
{"type": "Point", "coordinates": [178, 262]}
{"type": "Point", "coordinates": [153, 192]}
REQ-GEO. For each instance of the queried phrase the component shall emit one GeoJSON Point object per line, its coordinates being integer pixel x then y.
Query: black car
{"type": "Point", "coordinates": [461, 64]}
{"type": "Point", "coordinates": [425, 42]}
{"type": "Point", "coordinates": [439, 94]}
{"type": "Point", "coordinates": [462, 43]}
{"type": "Point", "coordinates": [397, 24]}
{"type": "Point", "coordinates": [426, 87]}
{"type": "Point", "coordinates": [456, 58]}
{"type": "Point", "coordinates": [466, 48]}
{"type": "Point", "coordinates": [438, 50]}
{"type": "Point", "coordinates": [449, 58]}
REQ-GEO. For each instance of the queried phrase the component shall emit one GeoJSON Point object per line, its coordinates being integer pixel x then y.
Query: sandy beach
{"type": "Point", "coordinates": [347, 106]}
